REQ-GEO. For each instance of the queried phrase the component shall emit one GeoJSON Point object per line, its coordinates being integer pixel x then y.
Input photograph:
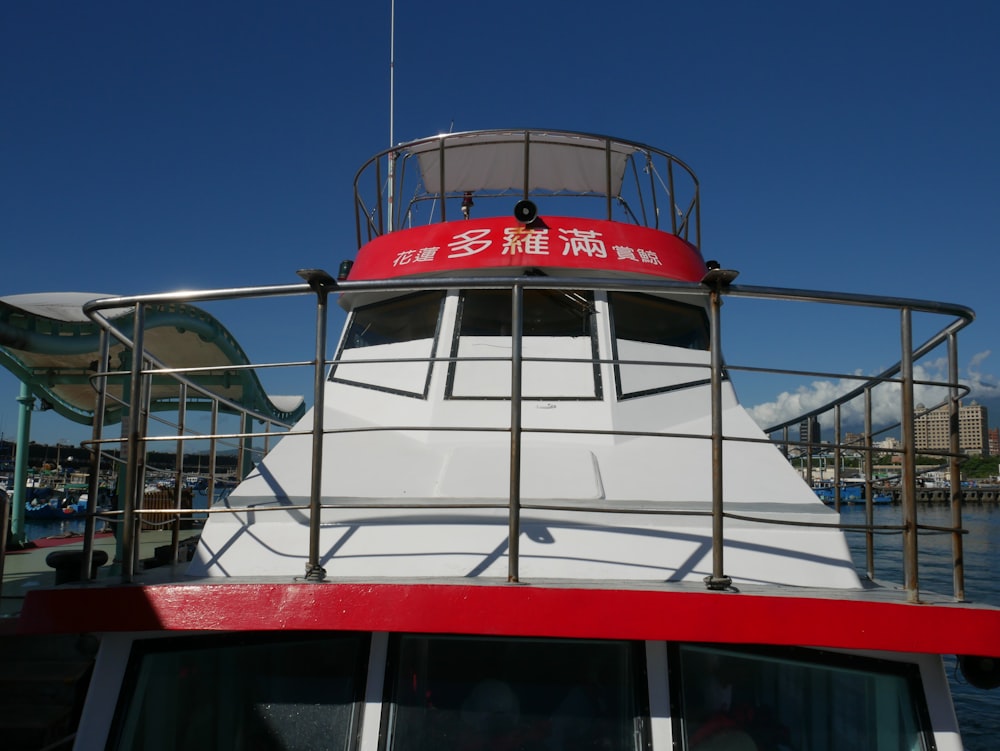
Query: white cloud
{"type": "Point", "coordinates": [789, 405]}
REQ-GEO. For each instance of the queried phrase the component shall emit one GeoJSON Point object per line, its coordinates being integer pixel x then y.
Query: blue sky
{"type": "Point", "coordinates": [164, 145]}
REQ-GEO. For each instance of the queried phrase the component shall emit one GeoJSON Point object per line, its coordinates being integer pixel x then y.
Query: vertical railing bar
{"type": "Point", "coordinates": [514, 523]}
{"type": "Point", "coordinates": [212, 446]}
{"type": "Point", "coordinates": [526, 187]}
{"type": "Point", "coordinates": [131, 463]}
{"type": "Point", "coordinates": [147, 398]}
{"type": "Point", "coordinates": [718, 578]}
{"type": "Point", "coordinates": [179, 484]}
{"type": "Point", "coordinates": [809, 451]}
{"type": "Point", "coordinates": [321, 282]}
{"type": "Point", "coordinates": [607, 175]}
{"type": "Point", "coordinates": [378, 203]}
{"type": "Point", "coordinates": [241, 446]}
{"type": "Point", "coordinates": [441, 186]}
{"type": "Point", "coordinates": [955, 475]}
{"type": "Point", "coordinates": [910, 572]}
{"type": "Point", "coordinates": [97, 432]}
{"type": "Point", "coordinates": [837, 455]}
{"type": "Point", "coordinates": [869, 491]}
{"type": "Point", "coordinates": [673, 204]}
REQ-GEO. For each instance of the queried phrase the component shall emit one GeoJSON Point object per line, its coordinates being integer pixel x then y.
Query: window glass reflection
{"type": "Point", "coordinates": [243, 693]}
{"type": "Point", "coordinates": [470, 694]}
{"type": "Point", "coordinates": [750, 702]}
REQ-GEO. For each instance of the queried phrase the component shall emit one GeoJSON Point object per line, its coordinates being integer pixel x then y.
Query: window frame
{"type": "Point", "coordinates": [807, 657]}
{"type": "Point", "coordinates": [641, 731]}
{"type": "Point", "coordinates": [142, 648]}
{"type": "Point", "coordinates": [342, 346]}
{"type": "Point", "coordinates": [592, 335]}
{"type": "Point", "coordinates": [620, 393]}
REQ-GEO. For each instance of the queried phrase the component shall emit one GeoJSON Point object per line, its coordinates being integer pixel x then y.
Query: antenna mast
{"type": "Point", "coordinates": [392, 100]}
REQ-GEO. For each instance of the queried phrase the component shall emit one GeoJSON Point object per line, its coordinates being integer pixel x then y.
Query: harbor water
{"type": "Point", "coordinates": [978, 710]}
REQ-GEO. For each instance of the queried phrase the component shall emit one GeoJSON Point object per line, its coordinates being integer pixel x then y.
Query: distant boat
{"type": "Point", "coordinates": [850, 493]}
{"type": "Point", "coordinates": [54, 509]}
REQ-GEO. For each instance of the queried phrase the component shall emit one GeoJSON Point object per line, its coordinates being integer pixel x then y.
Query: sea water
{"type": "Point", "coordinates": [978, 710]}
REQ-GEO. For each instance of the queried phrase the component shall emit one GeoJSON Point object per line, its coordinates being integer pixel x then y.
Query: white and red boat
{"type": "Point", "coordinates": [527, 510]}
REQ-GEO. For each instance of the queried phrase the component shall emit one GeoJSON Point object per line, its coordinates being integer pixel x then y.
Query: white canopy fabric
{"type": "Point", "coordinates": [496, 161]}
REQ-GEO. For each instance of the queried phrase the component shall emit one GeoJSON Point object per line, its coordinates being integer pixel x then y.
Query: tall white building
{"type": "Point", "coordinates": [931, 429]}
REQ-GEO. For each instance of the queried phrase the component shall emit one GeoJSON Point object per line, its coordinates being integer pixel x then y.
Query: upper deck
{"type": "Point", "coordinates": [528, 198]}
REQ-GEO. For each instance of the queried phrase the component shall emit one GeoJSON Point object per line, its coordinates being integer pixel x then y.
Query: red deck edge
{"type": "Point", "coordinates": [521, 610]}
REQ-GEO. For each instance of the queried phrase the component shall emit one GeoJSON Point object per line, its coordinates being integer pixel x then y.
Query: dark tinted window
{"type": "Point", "coordinates": [471, 694]}
{"type": "Point", "coordinates": [785, 700]}
{"type": "Point", "coordinates": [243, 693]}
{"type": "Point", "coordinates": [644, 318]}
{"type": "Point", "coordinates": [487, 312]}
{"type": "Point", "coordinates": [399, 320]}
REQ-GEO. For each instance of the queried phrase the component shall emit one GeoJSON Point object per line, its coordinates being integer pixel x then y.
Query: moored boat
{"type": "Point", "coordinates": [527, 509]}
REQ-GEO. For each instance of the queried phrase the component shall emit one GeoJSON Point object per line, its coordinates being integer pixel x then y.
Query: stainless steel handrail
{"type": "Point", "coordinates": [710, 293]}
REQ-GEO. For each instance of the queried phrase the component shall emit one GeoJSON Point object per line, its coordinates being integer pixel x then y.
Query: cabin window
{"type": "Point", "coordinates": [241, 693]}
{"type": "Point", "coordinates": [738, 699]}
{"type": "Point", "coordinates": [557, 325]}
{"type": "Point", "coordinates": [659, 344]}
{"type": "Point", "coordinates": [476, 694]}
{"type": "Point", "coordinates": [388, 345]}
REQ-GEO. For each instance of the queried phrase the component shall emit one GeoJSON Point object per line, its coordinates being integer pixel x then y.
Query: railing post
{"type": "Point", "coordinates": [212, 454]}
{"type": "Point", "coordinates": [514, 520]}
{"type": "Point", "coordinates": [97, 433]}
{"type": "Point", "coordinates": [869, 490]}
{"type": "Point", "coordinates": [245, 463]}
{"type": "Point", "coordinates": [837, 454]}
{"type": "Point", "coordinates": [716, 279]}
{"type": "Point", "coordinates": [321, 283]}
{"type": "Point", "coordinates": [909, 484]}
{"type": "Point", "coordinates": [957, 551]}
{"type": "Point", "coordinates": [179, 485]}
{"type": "Point", "coordinates": [132, 468]}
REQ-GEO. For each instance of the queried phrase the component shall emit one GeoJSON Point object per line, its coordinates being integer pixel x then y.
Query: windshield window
{"type": "Point", "coordinates": [736, 699]}
{"type": "Point", "coordinates": [645, 318]}
{"type": "Point", "coordinates": [658, 344]}
{"type": "Point", "coordinates": [559, 346]}
{"type": "Point", "coordinates": [388, 345]}
{"type": "Point", "coordinates": [240, 693]}
{"type": "Point", "coordinates": [473, 694]}
{"type": "Point", "coordinates": [399, 320]}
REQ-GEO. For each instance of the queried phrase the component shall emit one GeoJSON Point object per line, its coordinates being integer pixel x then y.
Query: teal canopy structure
{"type": "Point", "coordinates": [53, 348]}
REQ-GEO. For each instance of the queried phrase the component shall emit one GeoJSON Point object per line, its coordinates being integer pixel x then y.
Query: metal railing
{"type": "Point", "coordinates": [624, 180]}
{"type": "Point", "coordinates": [711, 292]}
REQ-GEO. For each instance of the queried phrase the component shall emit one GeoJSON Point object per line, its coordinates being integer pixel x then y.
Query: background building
{"type": "Point", "coordinates": [931, 429]}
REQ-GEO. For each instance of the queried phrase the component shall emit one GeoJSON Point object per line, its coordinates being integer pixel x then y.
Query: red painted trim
{"type": "Point", "coordinates": [522, 610]}
{"type": "Point", "coordinates": [500, 242]}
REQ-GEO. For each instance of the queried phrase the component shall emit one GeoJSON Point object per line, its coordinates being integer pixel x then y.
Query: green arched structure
{"type": "Point", "coordinates": [50, 345]}
{"type": "Point", "coordinates": [53, 348]}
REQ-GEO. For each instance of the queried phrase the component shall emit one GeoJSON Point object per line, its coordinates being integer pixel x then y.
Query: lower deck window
{"type": "Point", "coordinates": [757, 701]}
{"type": "Point", "coordinates": [242, 693]}
{"type": "Point", "coordinates": [471, 694]}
